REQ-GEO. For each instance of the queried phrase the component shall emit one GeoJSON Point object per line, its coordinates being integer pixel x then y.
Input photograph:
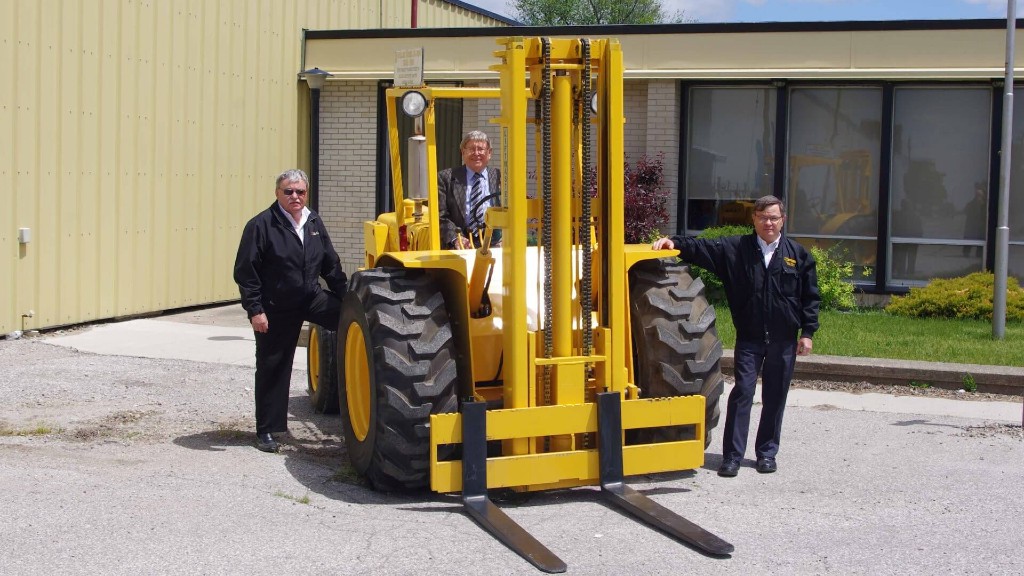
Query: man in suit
{"type": "Point", "coordinates": [771, 283]}
{"type": "Point", "coordinates": [465, 193]}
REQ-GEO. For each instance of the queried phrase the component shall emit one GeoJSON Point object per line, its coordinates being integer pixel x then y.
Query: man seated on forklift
{"type": "Point", "coordinates": [465, 193]}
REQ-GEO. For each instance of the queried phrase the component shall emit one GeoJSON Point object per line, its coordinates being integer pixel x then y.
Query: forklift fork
{"type": "Point", "coordinates": [480, 507]}
{"type": "Point", "coordinates": [492, 519]}
{"type": "Point", "coordinates": [609, 430]}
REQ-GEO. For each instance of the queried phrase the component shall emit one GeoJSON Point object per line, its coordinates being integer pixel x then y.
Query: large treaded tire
{"type": "Point", "coordinates": [322, 369]}
{"type": "Point", "coordinates": [675, 343]}
{"type": "Point", "coordinates": [395, 326]}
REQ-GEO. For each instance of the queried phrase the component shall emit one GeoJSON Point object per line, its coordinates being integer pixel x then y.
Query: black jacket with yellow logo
{"type": "Point", "coordinates": [767, 304]}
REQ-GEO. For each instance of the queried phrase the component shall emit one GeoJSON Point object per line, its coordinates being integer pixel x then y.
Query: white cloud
{"type": "Point", "coordinates": [497, 6]}
{"type": "Point", "coordinates": [705, 10]}
{"type": "Point", "coordinates": [994, 6]}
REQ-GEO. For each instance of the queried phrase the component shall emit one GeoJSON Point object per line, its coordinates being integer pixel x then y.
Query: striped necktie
{"type": "Point", "coordinates": [475, 206]}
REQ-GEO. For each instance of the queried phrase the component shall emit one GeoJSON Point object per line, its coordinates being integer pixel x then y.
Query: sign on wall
{"type": "Point", "coordinates": [409, 68]}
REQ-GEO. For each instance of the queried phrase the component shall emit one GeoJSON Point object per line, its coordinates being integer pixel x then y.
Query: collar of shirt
{"type": "Point", "coordinates": [299, 228]}
{"type": "Point", "coordinates": [767, 249]}
{"type": "Point", "coordinates": [470, 174]}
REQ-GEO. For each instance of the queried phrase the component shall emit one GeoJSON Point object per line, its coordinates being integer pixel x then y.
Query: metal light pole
{"type": "Point", "coordinates": [1003, 228]}
{"type": "Point", "coordinates": [316, 78]}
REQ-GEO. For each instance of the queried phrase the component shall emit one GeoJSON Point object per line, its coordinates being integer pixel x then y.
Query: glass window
{"type": "Point", "coordinates": [832, 170]}
{"type": "Point", "coordinates": [1015, 215]}
{"type": "Point", "coordinates": [940, 167]}
{"type": "Point", "coordinates": [730, 155]}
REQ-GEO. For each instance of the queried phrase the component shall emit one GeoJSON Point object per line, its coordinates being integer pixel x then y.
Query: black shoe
{"type": "Point", "coordinates": [266, 442]}
{"type": "Point", "coordinates": [729, 468]}
{"type": "Point", "coordinates": [766, 465]}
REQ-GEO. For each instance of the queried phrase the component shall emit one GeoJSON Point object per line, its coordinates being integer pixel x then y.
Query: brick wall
{"type": "Point", "coordinates": [662, 136]}
{"type": "Point", "coordinates": [348, 149]}
{"type": "Point", "coordinates": [635, 108]}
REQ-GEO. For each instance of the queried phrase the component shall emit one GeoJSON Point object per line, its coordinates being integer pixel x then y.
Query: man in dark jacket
{"type": "Point", "coordinates": [772, 287]}
{"type": "Point", "coordinates": [465, 193]}
{"type": "Point", "coordinates": [283, 253]}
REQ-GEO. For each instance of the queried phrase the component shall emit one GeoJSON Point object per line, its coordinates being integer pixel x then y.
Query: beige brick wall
{"type": "Point", "coordinates": [652, 127]}
{"type": "Point", "coordinates": [635, 109]}
{"type": "Point", "coordinates": [662, 136]}
{"type": "Point", "coordinates": [348, 160]}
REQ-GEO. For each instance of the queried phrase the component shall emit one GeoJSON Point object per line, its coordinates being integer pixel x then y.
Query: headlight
{"type": "Point", "coordinates": [413, 104]}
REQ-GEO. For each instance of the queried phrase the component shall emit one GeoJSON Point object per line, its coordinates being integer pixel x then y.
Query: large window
{"type": "Point", "coordinates": [832, 171]}
{"type": "Point", "coordinates": [932, 187]}
{"type": "Point", "coordinates": [939, 182]}
{"type": "Point", "coordinates": [730, 159]}
{"type": "Point", "coordinates": [1015, 215]}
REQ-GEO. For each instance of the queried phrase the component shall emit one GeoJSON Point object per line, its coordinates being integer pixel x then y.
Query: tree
{"type": "Point", "coordinates": [582, 12]}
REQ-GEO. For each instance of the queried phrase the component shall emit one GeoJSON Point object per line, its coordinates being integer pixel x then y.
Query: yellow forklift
{"type": "Point", "coordinates": [584, 361]}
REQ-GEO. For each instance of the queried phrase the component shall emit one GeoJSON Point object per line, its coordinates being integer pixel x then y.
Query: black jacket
{"type": "Point", "coordinates": [451, 202]}
{"type": "Point", "coordinates": [276, 271]}
{"type": "Point", "coordinates": [766, 304]}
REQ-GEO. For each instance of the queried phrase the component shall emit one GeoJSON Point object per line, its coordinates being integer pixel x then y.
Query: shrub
{"type": "Point", "coordinates": [970, 385]}
{"type": "Point", "coordinates": [646, 202]}
{"type": "Point", "coordinates": [834, 272]}
{"type": "Point", "coordinates": [712, 284]}
{"type": "Point", "coordinates": [964, 297]}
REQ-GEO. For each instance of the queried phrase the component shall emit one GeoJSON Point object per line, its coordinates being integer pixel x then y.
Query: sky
{"type": "Point", "coordinates": [708, 11]}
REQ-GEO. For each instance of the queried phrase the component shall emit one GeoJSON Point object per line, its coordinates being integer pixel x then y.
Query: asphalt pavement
{"type": "Point", "coordinates": [127, 448]}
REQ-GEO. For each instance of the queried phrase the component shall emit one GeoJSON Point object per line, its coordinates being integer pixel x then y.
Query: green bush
{"type": "Point", "coordinates": [834, 272]}
{"type": "Point", "coordinates": [964, 297]}
{"type": "Point", "coordinates": [712, 284]}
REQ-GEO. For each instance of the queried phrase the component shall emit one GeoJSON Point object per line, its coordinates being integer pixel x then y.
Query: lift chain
{"type": "Point", "coordinates": [546, 218]}
{"type": "Point", "coordinates": [586, 286]}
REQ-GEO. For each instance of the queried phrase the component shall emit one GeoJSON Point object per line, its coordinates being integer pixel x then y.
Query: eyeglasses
{"type": "Point", "coordinates": [290, 191]}
{"type": "Point", "coordinates": [767, 219]}
{"type": "Point", "coordinates": [476, 149]}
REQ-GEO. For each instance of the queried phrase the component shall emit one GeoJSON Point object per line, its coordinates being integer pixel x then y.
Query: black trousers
{"type": "Point", "coordinates": [275, 351]}
{"type": "Point", "coordinates": [775, 362]}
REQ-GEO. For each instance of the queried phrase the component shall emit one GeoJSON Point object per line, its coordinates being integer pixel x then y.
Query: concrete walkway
{"type": "Point", "coordinates": [222, 335]}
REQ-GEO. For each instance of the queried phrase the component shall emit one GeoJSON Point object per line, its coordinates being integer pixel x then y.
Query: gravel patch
{"type": "Point", "coordinates": [923, 392]}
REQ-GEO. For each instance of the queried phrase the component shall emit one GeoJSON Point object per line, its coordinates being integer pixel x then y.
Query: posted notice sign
{"type": "Point", "coordinates": [409, 68]}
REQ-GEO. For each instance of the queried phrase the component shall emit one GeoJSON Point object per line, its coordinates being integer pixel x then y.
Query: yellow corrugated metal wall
{"type": "Point", "coordinates": [138, 136]}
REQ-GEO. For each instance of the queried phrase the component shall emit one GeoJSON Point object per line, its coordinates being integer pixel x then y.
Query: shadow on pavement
{"type": "Point", "coordinates": [216, 440]}
{"type": "Point", "coordinates": [921, 422]}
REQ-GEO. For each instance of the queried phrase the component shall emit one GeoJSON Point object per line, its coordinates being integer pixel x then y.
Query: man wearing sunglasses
{"type": "Point", "coordinates": [283, 253]}
{"type": "Point", "coordinates": [771, 283]}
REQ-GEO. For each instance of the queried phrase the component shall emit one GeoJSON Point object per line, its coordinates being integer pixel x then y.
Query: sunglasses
{"type": "Point", "coordinates": [290, 191]}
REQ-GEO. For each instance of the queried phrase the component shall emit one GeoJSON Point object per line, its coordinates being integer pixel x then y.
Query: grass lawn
{"type": "Point", "coordinates": [875, 334]}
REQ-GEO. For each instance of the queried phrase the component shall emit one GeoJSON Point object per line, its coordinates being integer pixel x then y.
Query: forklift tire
{"type": "Point", "coordinates": [675, 343]}
{"type": "Point", "coordinates": [397, 362]}
{"type": "Point", "coordinates": [322, 369]}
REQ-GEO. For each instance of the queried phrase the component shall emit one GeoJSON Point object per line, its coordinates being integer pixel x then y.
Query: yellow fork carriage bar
{"type": "Point", "coordinates": [543, 471]}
